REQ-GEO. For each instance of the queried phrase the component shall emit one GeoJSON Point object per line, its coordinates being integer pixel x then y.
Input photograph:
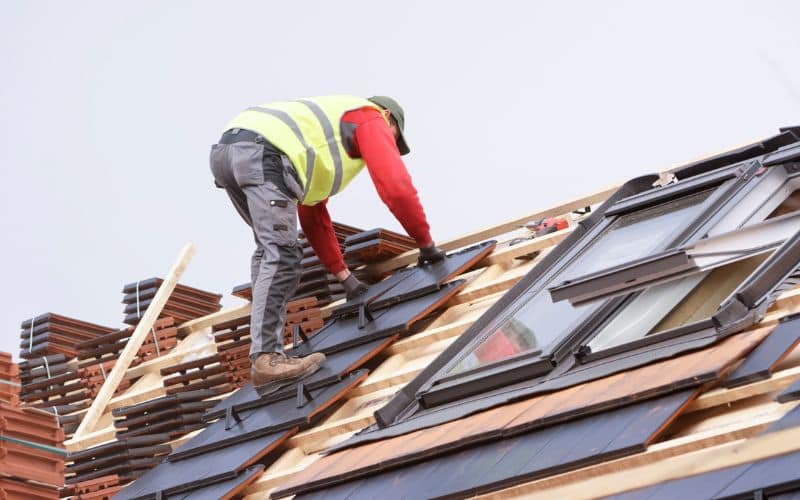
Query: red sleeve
{"type": "Point", "coordinates": [318, 228]}
{"type": "Point", "coordinates": [377, 147]}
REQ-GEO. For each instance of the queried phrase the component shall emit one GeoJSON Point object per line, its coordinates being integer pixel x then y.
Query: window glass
{"type": "Point", "coordinates": [675, 303]}
{"type": "Point", "coordinates": [539, 321]}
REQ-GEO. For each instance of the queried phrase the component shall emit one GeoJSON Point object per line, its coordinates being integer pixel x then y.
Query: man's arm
{"type": "Point", "coordinates": [318, 228]}
{"type": "Point", "coordinates": [377, 146]}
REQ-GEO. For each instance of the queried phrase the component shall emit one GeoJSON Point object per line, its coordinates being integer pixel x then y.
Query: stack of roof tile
{"type": "Point", "coordinates": [55, 334]}
{"type": "Point", "coordinates": [232, 335]}
{"type": "Point", "coordinates": [9, 380]}
{"type": "Point", "coordinates": [61, 388]}
{"type": "Point", "coordinates": [174, 414]}
{"type": "Point", "coordinates": [303, 314]}
{"type": "Point", "coordinates": [163, 337]}
{"type": "Point", "coordinates": [127, 458]}
{"type": "Point", "coordinates": [94, 376]}
{"type": "Point", "coordinates": [184, 303]}
{"type": "Point", "coordinates": [315, 280]}
{"type": "Point", "coordinates": [101, 488]}
{"type": "Point", "coordinates": [376, 245]}
{"type": "Point", "coordinates": [31, 449]}
{"type": "Point", "coordinates": [53, 382]}
{"type": "Point", "coordinates": [224, 371]}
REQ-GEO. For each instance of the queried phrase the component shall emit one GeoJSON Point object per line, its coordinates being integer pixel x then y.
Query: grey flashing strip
{"type": "Point", "coordinates": [786, 136]}
{"type": "Point", "coordinates": [527, 368]}
{"type": "Point", "coordinates": [783, 155]}
{"type": "Point", "coordinates": [669, 192]}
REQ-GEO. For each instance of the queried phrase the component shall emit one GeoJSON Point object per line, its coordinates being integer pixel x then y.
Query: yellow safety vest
{"type": "Point", "coordinates": [309, 132]}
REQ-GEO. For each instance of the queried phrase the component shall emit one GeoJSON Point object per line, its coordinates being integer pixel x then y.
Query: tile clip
{"type": "Point", "coordinates": [231, 414]}
{"type": "Point", "coordinates": [303, 395]}
{"type": "Point", "coordinates": [364, 316]}
{"type": "Point", "coordinates": [297, 334]}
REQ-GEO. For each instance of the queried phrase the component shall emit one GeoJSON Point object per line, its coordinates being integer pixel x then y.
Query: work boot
{"type": "Point", "coordinates": [272, 371]}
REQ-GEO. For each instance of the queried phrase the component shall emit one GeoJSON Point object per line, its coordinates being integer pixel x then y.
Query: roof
{"type": "Point", "coordinates": [521, 365]}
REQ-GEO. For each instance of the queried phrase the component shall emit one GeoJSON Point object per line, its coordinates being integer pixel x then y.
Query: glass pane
{"type": "Point", "coordinates": [539, 321]}
{"type": "Point", "coordinates": [675, 303]}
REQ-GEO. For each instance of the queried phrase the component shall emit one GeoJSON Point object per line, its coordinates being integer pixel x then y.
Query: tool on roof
{"type": "Point", "coordinates": [547, 225]}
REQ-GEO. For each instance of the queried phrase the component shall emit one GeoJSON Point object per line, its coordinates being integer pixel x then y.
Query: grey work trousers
{"type": "Point", "coordinates": [239, 168]}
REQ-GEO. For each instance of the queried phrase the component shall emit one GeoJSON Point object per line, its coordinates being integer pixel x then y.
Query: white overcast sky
{"type": "Point", "coordinates": [109, 109]}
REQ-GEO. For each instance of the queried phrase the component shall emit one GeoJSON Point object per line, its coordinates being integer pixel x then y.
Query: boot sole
{"type": "Point", "coordinates": [272, 387]}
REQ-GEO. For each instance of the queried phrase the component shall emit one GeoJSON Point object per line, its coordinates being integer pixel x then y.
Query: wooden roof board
{"type": "Point", "coordinates": [496, 464]}
{"type": "Point", "coordinates": [185, 475]}
{"type": "Point", "coordinates": [790, 419]}
{"type": "Point", "coordinates": [768, 476]}
{"type": "Point", "coordinates": [791, 393]}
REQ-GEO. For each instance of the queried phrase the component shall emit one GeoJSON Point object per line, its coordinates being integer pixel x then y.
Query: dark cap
{"type": "Point", "coordinates": [396, 111]}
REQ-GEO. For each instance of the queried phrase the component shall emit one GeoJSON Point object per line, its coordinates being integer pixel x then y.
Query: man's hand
{"type": "Point", "coordinates": [429, 255]}
{"type": "Point", "coordinates": [353, 287]}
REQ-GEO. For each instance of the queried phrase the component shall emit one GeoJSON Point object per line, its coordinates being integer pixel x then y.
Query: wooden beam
{"type": "Point", "coordinates": [717, 397]}
{"type": "Point", "coordinates": [409, 257]}
{"type": "Point", "coordinates": [216, 318]}
{"type": "Point", "coordinates": [134, 343]}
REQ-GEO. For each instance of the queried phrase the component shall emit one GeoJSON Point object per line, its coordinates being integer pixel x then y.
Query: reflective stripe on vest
{"type": "Point", "coordinates": [308, 131]}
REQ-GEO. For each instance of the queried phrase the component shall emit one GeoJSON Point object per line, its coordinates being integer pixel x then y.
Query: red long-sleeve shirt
{"type": "Point", "coordinates": [376, 145]}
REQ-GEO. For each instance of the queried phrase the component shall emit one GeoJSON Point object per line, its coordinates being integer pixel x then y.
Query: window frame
{"type": "Point", "coordinates": [729, 184]}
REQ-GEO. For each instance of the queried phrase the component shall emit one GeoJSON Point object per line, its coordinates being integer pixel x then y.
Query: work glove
{"type": "Point", "coordinates": [353, 287]}
{"type": "Point", "coordinates": [429, 255]}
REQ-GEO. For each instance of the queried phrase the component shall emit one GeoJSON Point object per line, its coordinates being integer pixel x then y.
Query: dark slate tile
{"type": "Point", "coordinates": [654, 415]}
{"type": "Point", "coordinates": [202, 470]}
{"type": "Point", "coordinates": [788, 495]}
{"type": "Point", "coordinates": [759, 363]}
{"type": "Point", "coordinates": [774, 474]}
{"type": "Point", "coordinates": [517, 459]}
{"type": "Point", "coordinates": [335, 366]}
{"type": "Point", "coordinates": [344, 333]}
{"type": "Point", "coordinates": [465, 469]}
{"type": "Point", "coordinates": [225, 488]}
{"type": "Point", "coordinates": [791, 393]}
{"type": "Point", "coordinates": [416, 281]}
{"type": "Point", "coordinates": [699, 487]}
{"type": "Point", "coordinates": [267, 419]}
{"type": "Point", "coordinates": [340, 492]}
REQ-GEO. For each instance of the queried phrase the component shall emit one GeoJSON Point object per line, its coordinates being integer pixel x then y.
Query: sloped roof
{"type": "Point", "coordinates": [391, 432]}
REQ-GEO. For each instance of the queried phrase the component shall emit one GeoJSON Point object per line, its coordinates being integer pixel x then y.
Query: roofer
{"type": "Point", "coordinates": [282, 160]}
